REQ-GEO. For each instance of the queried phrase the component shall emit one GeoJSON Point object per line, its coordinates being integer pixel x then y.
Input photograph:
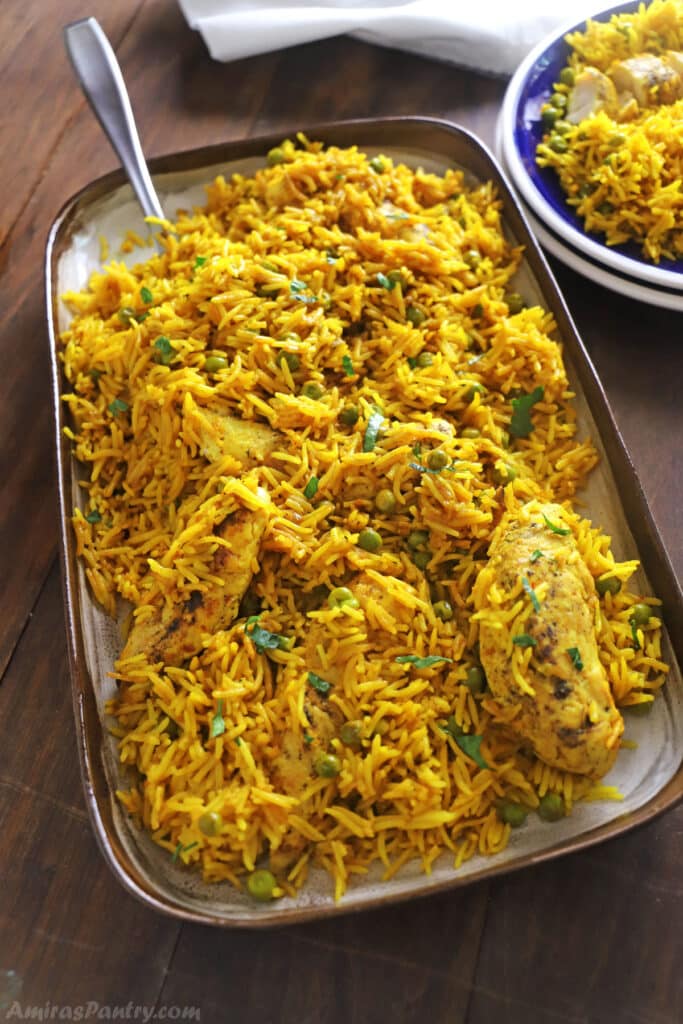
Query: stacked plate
{"type": "Point", "coordinates": [555, 224]}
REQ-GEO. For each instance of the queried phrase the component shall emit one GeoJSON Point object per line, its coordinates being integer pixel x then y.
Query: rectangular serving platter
{"type": "Point", "coordinates": [650, 776]}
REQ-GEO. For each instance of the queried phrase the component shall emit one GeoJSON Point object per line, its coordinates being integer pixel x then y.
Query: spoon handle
{"type": "Point", "coordinates": [99, 74]}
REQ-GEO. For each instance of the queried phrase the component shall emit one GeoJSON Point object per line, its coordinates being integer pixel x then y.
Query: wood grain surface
{"type": "Point", "coordinates": [592, 939]}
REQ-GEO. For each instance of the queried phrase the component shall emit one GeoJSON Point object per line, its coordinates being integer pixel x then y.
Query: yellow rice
{"type": "Point", "coordinates": [625, 178]}
{"type": "Point", "coordinates": [222, 286]}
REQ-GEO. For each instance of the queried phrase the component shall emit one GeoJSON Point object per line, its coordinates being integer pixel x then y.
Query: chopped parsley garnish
{"type": "Point", "coordinates": [532, 594]}
{"type": "Point", "coordinates": [183, 849]}
{"type": "Point", "coordinates": [238, 741]}
{"type": "Point", "coordinates": [164, 350]}
{"type": "Point", "coordinates": [386, 282]}
{"type": "Point", "coordinates": [308, 739]}
{"type": "Point", "coordinates": [562, 530]}
{"type": "Point", "coordinates": [117, 406]}
{"type": "Point", "coordinates": [321, 685]}
{"type": "Point", "coordinates": [535, 555]}
{"type": "Point", "coordinates": [412, 362]}
{"type": "Point", "coordinates": [348, 366]}
{"type": "Point", "coordinates": [575, 655]}
{"type": "Point", "coordinates": [263, 639]}
{"type": "Point", "coordinates": [200, 261]}
{"type": "Point", "coordinates": [478, 310]}
{"type": "Point", "coordinates": [634, 634]}
{"type": "Point", "coordinates": [93, 516]}
{"type": "Point", "coordinates": [413, 659]}
{"type": "Point", "coordinates": [217, 722]}
{"type": "Point", "coordinates": [146, 295]}
{"type": "Point", "coordinates": [311, 488]}
{"type": "Point", "coordinates": [95, 375]}
{"type": "Point", "coordinates": [296, 290]}
{"type": "Point", "coordinates": [372, 431]}
{"type": "Point", "coordinates": [524, 640]}
{"type": "Point", "coordinates": [520, 423]}
{"type": "Point", "coordinates": [331, 257]}
{"type": "Point", "coordinates": [428, 469]}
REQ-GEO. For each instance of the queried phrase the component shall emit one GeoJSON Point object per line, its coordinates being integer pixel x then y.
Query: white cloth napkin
{"type": "Point", "coordinates": [491, 35]}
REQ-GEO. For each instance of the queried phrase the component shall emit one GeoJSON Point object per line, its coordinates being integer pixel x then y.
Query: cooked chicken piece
{"type": "Point", "coordinates": [245, 440]}
{"type": "Point", "coordinates": [173, 635]}
{"type": "Point", "coordinates": [592, 92]}
{"type": "Point", "coordinates": [570, 718]}
{"type": "Point", "coordinates": [674, 58]}
{"type": "Point", "coordinates": [649, 79]}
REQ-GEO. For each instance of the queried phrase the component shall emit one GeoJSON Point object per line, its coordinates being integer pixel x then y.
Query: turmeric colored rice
{"type": "Point", "coordinates": [366, 314]}
{"type": "Point", "coordinates": [623, 176]}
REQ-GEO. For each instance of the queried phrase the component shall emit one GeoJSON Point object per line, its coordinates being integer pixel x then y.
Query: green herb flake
{"type": "Point", "coordinates": [532, 594]}
{"type": "Point", "coordinates": [413, 659]}
{"type": "Point", "coordinates": [471, 746]}
{"type": "Point", "coordinates": [561, 530]}
{"type": "Point", "coordinates": [331, 257]}
{"type": "Point", "coordinates": [297, 289]}
{"type": "Point", "coordinates": [575, 655]}
{"type": "Point", "coordinates": [140, 317]}
{"type": "Point", "coordinates": [117, 406]}
{"type": "Point", "coordinates": [320, 685]}
{"type": "Point", "coordinates": [146, 295]}
{"type": "Point", "coordinates": [238, 741]}
{"type": "Point", "coordinates": [372, 431]}
{"type": "Point", "coordinates": [262, 639]}
{"type": "Point", "coordinates": [93, 516]}
{"type": "Point", "coordinates": [95, 375]}
{"type": "Point", "coordinates": [386, 282]}
{"type": "Point", "coordinates": [164, 350]}
{"type": "Point", "coordinates": [536, 555]}
{"type": "Point", "coordinates": [183, 849]}
{"type": "Point", "coordinates": [412, 362]}
{"type": "Point", "coordinates": [217, 722]}
{"type": "Point", "coordinates": [311, 488]}
{"type": "Point", "coordinates": [348, 366]}
{"type": "Point", "coordinates": [200, 261]}
{"type": "Point", "coordinates": [520, 423]}
{"type": "Point", "coordinates": [308, 739]}
{"type": "Point", "coordinates": [524, 640]}
{"type": "Point", "coordinates": [634, 634]}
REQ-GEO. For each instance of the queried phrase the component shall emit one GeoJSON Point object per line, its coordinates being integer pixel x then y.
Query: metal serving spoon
{"type": "Point", "coordinates": [99, 74]}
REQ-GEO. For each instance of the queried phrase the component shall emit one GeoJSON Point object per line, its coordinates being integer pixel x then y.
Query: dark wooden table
{"type": "Point", "coordinates": [591, 939]}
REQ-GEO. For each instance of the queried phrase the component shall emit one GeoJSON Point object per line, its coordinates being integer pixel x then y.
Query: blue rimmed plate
{"type": "Point", "coordinates": [521, 131]}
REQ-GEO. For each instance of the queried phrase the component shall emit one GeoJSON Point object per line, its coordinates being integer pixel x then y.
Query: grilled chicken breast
{"type": "Point", "coordinates": [566, 710]}
{"type": "Point", "coordinates": [173, 635]}
{"type": "Point", "coordinates": [592, 91]}
{"type": "Point", "coordinates": [248, 441]}
{"type": "Point", "coordinates": [649, 79]}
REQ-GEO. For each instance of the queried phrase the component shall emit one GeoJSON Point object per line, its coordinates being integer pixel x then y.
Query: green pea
{"type": "Point", "coordinates": [312, 389]}
{"type": "Point", "coordinates": [549, 115]}
{"type": "Point", "coordinates": [415, 316]}
{"type": "Point", "coordinates": [558, 144]}
{"type": "Point", "coordinates": [475, 680]}
{"type": "Point", "coordinates": [327, 766]}
{"type": "Point", "coordinates": [608, 585]}
{"type": "Point", "coordinates": [261, 885]}
{"type": "Point", "coordinates": [385, 502]}
{"type": "Point", "coordinates": [511, 813]}
{"type": "Point", "coordinates": [350, 734]}
{"type": "Point", "coordinates": [292, 361]}
{"type": "Point", "coordinates": [416, 539]}
{"type": "Point", "coordinates": [421, 559]}
{"type": "Point", "coordinates": [377, 165]}
{"type": "Point", "coordinates": [562, 127]}
{"type": "Point", "coordinates": [276, 156]}
{"type": "Point", "coordinates": [215, 363]}
{"type": "Point", "coordinates": [472, 258]}
{"type": "Point", "coordinates": [503, 474]}
{"type": "Point", "coordinates": [126, 315]}
{"type": "Point", "coordinates": [381, 727]}
{"type": "Point", "coordinates": [474, 389]}
{"type": "Point", "coordinates": [640, 614]}
{"type": "Point", "coordinates": [349, 415]}
{"type": "Point", "coordinates": [470, 432]}
{"type": "Point", "coordinates": [551, 807]}
{"type": "Point", "coordinates": [559, 100]}
{"type": "Point", "coordinates": [210, 823]}
{"type": "Point", "coordinates": [567, 77]}
{"type": "Point", "coordinates": [618, 139]}
{"type": "Point", "coordinates": [369, 540]}
{"type": "Point", "coordinates": [443, 610]}
{"type": "Point", "coordinates": [437, 459]}
{"type": "Point", "coordinates": [341, 596]}
{"type": "Point", "coordinates": [424, 359]}
{"type": "Point", "coordinates": [396, 277]}
{"type": "Point", "coordinates": [515, 302]}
